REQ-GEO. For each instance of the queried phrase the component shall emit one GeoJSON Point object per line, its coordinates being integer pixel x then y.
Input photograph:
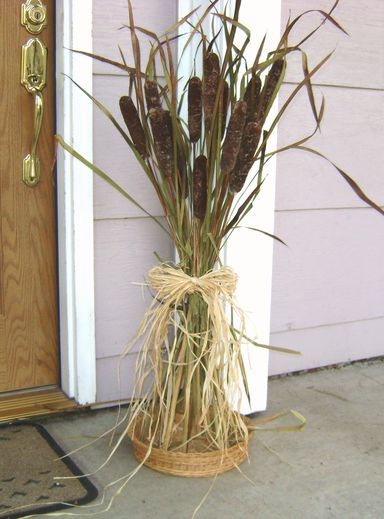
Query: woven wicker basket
{"type": "Point", "coordinates": [191, 464]}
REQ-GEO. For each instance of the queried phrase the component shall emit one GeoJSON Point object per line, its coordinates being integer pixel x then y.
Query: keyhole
{"type": "Point", "coordinates": [37, 16]}
{"type": "Point", "coordinates": [33, 79]}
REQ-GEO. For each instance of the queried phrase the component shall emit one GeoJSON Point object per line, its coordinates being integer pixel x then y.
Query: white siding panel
{"type": "Point", "coordinates": [109, 17]}
{"type": "Point", "coordinates": [352, 134]}
{"type": "Point", "coordinates": [112, 155]}
{"type": "Point", "coordinates": [328, 345]}
{"type": "Point", "coordinates": [331, 271]}
{"type": "Point", "coordinates": [357, 60]}
{"type": "Point", "coordinates": [328, 285]}
{"type": "Point", "coordinates": [124, 254]}
{"type": "Point", "coordinates": [108, 387]}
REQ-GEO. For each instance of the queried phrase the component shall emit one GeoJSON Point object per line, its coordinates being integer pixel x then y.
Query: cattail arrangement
{"type": "Point", "coordinates": [197, 139]}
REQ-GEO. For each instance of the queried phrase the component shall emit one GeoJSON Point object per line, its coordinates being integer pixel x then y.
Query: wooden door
{"type": "Point", "coordinates": [28, 270]}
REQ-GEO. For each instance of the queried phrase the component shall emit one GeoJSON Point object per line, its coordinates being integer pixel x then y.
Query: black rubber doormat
{"type": "Point", "coordinates": [28, 466]}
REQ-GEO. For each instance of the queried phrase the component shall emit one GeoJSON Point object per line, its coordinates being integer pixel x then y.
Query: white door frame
{"type": "Point", "coordinates": [75, 202]}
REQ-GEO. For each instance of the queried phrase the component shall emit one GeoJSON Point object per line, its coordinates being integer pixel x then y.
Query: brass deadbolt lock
{"type": "Point", "coordinates": [34, 16]}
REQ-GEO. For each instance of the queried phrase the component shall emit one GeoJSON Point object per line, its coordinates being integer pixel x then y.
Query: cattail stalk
{"type": "Point", "coordinates": [249, 142]}
{"type": "Point", "coordinates": [200, 187]}
{"type": "Point", "coordinates": [194, 108]}
{"type": "Point", "coordinates": [161, 125]}
{"type": "Point", "coordinates": [133, 123]}
{"type": "Point", "coordinates": [210, 86]}
{"type": "Point", "coordinates": [152, 96]}
{"type": "Point", "coordinates": [182, 174]}
{"type": "Point", "coordinates": [233, 137]}
{"type": "Point", "coordinates": [224, 107]}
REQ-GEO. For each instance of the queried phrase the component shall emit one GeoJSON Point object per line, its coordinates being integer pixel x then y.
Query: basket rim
{"type": "Point", "coordinates": [242, 446]}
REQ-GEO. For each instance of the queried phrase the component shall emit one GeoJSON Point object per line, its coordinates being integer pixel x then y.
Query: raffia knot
{"type": "Point", "coordinates": [173, 283]}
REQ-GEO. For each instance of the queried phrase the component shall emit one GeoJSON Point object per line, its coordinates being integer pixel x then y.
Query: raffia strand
{"type": "Point", "coordinates": [179, 360]}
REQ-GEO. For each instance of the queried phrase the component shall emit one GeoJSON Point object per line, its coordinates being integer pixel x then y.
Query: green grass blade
{"type": "Point", "coordinates": [356, 188]}
{"type": "Point", "coordinates": [107, 178]}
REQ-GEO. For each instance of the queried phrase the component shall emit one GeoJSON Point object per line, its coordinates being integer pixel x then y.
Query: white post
{"type": "Point", "coordinates": [248, 252]}
{"type": "Point", "coordinates": [75, 202]}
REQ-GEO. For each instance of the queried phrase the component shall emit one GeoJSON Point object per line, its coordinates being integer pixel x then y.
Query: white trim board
{"type": "Point", "coordinates": [249, 253]}
{"type": "Point", "coordinates": [75, 203]}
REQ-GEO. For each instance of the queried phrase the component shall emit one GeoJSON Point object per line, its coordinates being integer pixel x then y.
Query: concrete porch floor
{"type": "Point", "coordinates": [333, 468]}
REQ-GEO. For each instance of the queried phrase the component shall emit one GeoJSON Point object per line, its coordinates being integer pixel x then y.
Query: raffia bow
{"type": "Point", "coordinates": [171, 283]}
{"type": "Point", "coordinates": [188, 340]}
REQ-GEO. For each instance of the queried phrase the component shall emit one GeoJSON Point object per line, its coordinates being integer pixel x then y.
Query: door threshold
{"type": "Point", "coordinates": [24, 404]}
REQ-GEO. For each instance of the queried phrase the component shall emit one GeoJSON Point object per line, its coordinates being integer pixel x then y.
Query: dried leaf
{"type": "Point", "coordinates": [353, 184]}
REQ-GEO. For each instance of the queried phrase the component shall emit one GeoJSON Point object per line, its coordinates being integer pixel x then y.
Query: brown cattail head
{"type": "Point", "coordinates": [152, 96]}
{"type": "Point", "coordinates": [194, 108]}
{"type": "Point", "coordinates": [132, 120]}
{"type": "Point", "coordinates": [252, 97]}
{"type": "Point", "coordinates": [161, 125]}
{"type": "Point", "coordinates": [224, 107]}
{"type": "Point", "coordinates": [200, 187]}
{"type": "Point", "coordinates": [211, 76]}
{"type": "Point", "coordinates": [249, 142]}
{"type": "Point", "coordinates": [233, 137]}
{"type": "Point", "coordinates": [269, 88]}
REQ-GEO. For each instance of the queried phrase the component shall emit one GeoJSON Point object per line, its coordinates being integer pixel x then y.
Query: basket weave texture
{"type": "Point", "coordinates": [190, 464]}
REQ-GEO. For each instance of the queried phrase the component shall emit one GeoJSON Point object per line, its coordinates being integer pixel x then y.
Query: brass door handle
{"type": "Point", "coordinates": [31, 163]}
{"type": "Point", "coordinates": [33, 77]}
